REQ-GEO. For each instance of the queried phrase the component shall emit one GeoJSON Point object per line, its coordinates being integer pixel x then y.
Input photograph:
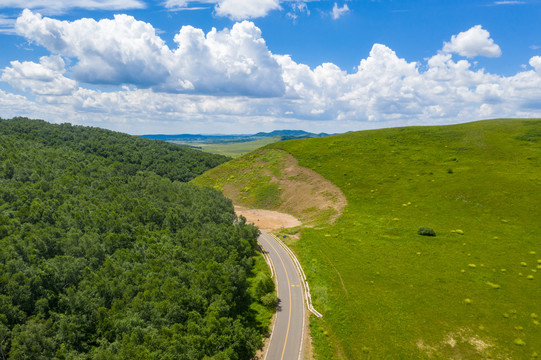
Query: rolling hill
{"type": "Point", "coordinates": [473, 291]}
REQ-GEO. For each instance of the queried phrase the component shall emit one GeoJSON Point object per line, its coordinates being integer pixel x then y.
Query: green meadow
{"type": "Point", "coordinates": [474, 290]}
{"type": "Point", "coordinates": [232, 149]}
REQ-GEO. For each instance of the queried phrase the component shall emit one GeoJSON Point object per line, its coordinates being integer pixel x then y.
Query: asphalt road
{"type": "Point", "coordinates": [287, 335]}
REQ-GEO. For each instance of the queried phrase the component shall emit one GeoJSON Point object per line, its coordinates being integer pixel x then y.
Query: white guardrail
{"type": "Point", "coordinates": [307, 295]}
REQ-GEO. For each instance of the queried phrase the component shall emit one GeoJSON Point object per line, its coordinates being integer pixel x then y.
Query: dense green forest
{"type": "Point", "coordinates": [101, 258]}
{"type": "Point", "coordinates": [165, 159]}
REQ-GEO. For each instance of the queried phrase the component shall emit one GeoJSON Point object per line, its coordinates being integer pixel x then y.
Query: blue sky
{"type": "Point", "coordinates": [242, 66]}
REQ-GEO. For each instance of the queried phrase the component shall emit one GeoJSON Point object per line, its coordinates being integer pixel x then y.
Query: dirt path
{"type": "Point", "coordinates": [267, 220]}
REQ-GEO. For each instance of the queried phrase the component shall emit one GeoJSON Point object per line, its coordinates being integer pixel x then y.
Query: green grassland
{"type": "Point", "coordinates": [251, 176]}
{"type": "Point", "coordinates": [474, 290]}
{"type": "Point", "coordinates": [232, 149]}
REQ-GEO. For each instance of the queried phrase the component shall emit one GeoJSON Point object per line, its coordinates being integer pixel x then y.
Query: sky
{"type": "Point", "coordinates": [244, 66]}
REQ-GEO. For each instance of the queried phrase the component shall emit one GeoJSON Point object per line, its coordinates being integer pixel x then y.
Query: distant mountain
{"type": "Point", "coordinates": [199, 138]}
{"type": "Point", "coordinates": [300, 134]}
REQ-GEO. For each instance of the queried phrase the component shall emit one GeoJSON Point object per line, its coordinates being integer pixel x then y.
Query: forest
{"type": "Point", "coordinates": [135, 153]}
{"type": "Point", "coordinates": [106, 252]}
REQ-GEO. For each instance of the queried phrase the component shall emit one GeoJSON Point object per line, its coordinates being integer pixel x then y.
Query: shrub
{"type": "Point", "coordinates": [264, 285]}
{"type": "Point", "coordinates": [269, 300]}
{"type": "Point", "coordinates": [426, 231]}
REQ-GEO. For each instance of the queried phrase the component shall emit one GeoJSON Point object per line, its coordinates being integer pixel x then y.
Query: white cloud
{"type": "Point", "coordinates": [242, 9]}
{"type": "Point", "coordinates": [45, 78]}
{"type": "Point", "coordinates": [229, 79]}
{"type": "Point", "coordinates": [233, 9]}
{"type": "Point", "coordinates": [126, 51]}
{"type": "Point", "coordinates": [388, 88]}
{"type": "Point", "coordinates": [61, 6]}
{"type": "Point", "coordinates": [234, 62]}
{"type": "Point", "coordinates": [121, 50]}
{"type": "Point", "coordinates": [535, 62]}
{"type": "Point", "coordinates": [176, 5]}
{"type": "Point", "coordinates": [337, 12]}
{"type": "Point", "coordinates": [509, 2]}
{"type": "Point", "coordinates": [474, 42]}
{"type": "Point", "coordinates": [6, 24]}
{"type": "Point", "coordinates": [298, 7]}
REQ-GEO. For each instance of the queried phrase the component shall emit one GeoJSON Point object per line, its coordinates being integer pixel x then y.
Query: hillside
{"type": "Point", "coordinates": [272, 179]}
{"type": "Point", "coordinates": [100, 258]}
{"type": "Point", "coordinates": [171, 161]}
{"type": "Point", "coordinates": [473, 290]}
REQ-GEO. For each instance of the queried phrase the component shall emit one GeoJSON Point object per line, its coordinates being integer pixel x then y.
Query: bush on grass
{"type": "Point", "coordinates": [426, 231]}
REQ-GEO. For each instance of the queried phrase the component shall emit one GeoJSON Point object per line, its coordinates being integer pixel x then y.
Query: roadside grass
{"type": "Point", "coordinates": [474, 290]}
{"type": "Point", "coordinates": [263, 314]}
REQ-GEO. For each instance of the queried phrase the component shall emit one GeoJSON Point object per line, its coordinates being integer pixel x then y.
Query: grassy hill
{"type": "Point", "coordinates": [474, 290]}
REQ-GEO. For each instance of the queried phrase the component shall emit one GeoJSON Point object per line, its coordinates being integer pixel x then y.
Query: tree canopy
{"type": "Point", "coordinates": [103, 255]}
{"type": "Point", "coordinates": [171, 161]}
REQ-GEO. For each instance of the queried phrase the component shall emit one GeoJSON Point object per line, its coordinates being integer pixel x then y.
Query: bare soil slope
{"type": "Point", "coordinates": [272, 179]}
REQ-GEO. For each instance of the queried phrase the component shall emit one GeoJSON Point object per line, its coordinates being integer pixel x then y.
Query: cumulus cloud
{"type": "Point", "coordinates": [535, 62]}
{"type": "Point", "coordinates": [126, 51]}
{"type": "Point", "coordinates": [474, 42]}
{"type": "Point", "coordinates": [45, 78]}
{"type": "Point", "coordinates": [234, 62]}
{"type": "Point", "coordinates": [61, 6]}
{"type": "Point", "coordinates": [388, 88]}
{"type": "Point", "coordinates": [262, 90]}
{"type": "Point", "coordinates": [121, 50]}
{"type": "Point", "coordinates": [337, 12]}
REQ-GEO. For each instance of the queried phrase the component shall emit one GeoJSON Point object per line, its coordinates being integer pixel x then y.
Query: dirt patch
{"type": "Point", "coordinates": [308, 194]}
{"type": "Point", "coordinates": [305, 194]}
{"type": "Point", "coordinates": [267, 220]}
{"type": "Point", "coordinates": [462, 344]}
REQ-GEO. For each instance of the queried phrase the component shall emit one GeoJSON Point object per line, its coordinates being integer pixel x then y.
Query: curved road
{"type": "Point", "coordinates": [287, 335]}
